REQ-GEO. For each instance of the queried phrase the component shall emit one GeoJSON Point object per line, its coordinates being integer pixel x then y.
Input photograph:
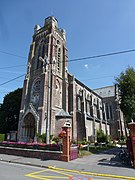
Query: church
{"type": "Point", "coordinates": [52, 96]}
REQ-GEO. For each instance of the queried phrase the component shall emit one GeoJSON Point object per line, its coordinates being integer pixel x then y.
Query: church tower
{"type": "Point", "coordinates": [44, 103]}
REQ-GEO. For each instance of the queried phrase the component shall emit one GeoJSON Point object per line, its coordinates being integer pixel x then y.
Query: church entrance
{"type": "Point", "coordinates": [29, 128]}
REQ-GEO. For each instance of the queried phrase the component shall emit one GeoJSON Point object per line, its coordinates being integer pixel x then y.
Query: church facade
{"type": "Point", "coordinates": [52, 96]}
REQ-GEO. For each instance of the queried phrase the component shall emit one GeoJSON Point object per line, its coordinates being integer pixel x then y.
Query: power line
{"type": "Point", "coordinates": [17, 77]}
{"type": "Point", "coordinates": [8, 67]}
{"type": "Point", "coordinates": [13, 79]}
{"type": "Point", "coordinates": [102, 77]}
{"type": "Point", "coordinates": [102, 55]}
{"type": "Point", "coordinates": [80, 59]}
{"type": "Point", "coordinates": [73, 60]}
{"type": "Point", "coordinates": [12, 54]}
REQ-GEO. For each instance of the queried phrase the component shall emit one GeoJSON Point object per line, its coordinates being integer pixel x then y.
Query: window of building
{"type": "Point", "coordinates": [109, 113]}
{"type": "Point", "coordinates": [58, 42]}
{"type": "Point", "coordinates": [98, 109]}
{"type": "Point", "coordinates": [91, 100]}
{"type": "Point", "coordinates": [40, 53]}
{"type": "Point", "coordinates": [88, 107]}
{"type": "Point", "coordinates": [79, 103]}
{"type": "Point", "coordinates": [58, 92]}
{"type": "Point", "coordinates": [43, 50]}
{"type": "Point", "coordinates": [107, 110]}
{"type": "Point", "coordinates": [59, 57]}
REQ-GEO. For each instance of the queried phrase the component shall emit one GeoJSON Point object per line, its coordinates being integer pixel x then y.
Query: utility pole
{"type": "Point", "coordinates": [46, 63]}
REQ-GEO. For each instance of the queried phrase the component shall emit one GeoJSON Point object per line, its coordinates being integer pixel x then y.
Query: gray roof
{"type": "Point", "coordinates": [63, 113]}
{"type": "Point", "coordinates": [108, 91]}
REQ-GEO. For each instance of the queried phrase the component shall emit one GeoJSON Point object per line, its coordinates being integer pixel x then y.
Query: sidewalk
{"type": "Point", "coordinates": [103, 163]}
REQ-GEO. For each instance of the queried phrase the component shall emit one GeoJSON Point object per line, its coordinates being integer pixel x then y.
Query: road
{"type": "Point", "coordinates": [12, 171]}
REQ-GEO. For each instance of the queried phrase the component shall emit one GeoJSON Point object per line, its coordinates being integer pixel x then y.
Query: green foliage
{"type": "Point", "coordinates": [2, 137]}
{"type": "Point", "coordinates": [109, 139]}
{"type": "Point", "coordinates": [74, 142]}
{"type": "Point", "coordinates": [95, 150]}
{"type": "Point", "coordinates": [9, 111]}
{"type": "Point", "coordinates": [101, 137]}
{"type": "Point", "coordinates": [41, 138]}
{"type": "Point", "coordinates": [56, 139]}
{"type": "Point", "coordinates": [84, 142]}
{"type": "Point", "coordinates": [123, 138]}
{"type": "Point", "coordinates": [126, 84]}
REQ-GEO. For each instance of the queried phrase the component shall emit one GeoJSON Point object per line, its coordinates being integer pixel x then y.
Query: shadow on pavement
{"type": "Point", "coordinates": [113, 151]}
{"type": "Point", "coordinates": [115, 160]}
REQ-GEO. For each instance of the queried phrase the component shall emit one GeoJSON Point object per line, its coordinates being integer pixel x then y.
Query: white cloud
{"type": "Point", "coordinates": [86, 66]}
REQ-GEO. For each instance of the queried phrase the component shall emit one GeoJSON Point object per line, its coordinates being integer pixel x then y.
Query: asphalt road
{"type": "Point", "coordinates": [11, 171]}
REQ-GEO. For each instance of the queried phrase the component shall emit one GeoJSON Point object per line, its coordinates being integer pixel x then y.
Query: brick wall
{"type": "Point", "coordinates": [40, 154]}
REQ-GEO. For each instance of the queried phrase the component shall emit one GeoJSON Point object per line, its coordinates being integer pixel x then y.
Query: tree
{"type": "Point", "coordinates": [126, 85]}
{"type": "Point", "coordinates": [9, 111]}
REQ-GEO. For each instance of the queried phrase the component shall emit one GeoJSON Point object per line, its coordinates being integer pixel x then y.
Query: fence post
{"type": "Point", "coordinates": [66, 144]}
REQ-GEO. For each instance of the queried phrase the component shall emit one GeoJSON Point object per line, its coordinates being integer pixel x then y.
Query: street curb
{"type": "Point", "coordinates": [91, 173]}
{"type": "Point", "coordinates": [25, 163]}
{"type": "Point", "coordinates": [69, 170]}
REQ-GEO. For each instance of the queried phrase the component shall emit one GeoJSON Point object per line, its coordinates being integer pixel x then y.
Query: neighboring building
{"type": "Point", "coordinates": [114, 115]}
{"type": "Point", "coordinates": [52, 96]}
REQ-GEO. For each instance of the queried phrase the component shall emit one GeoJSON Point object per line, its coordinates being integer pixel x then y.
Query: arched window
{"type": "Point", "coordinates": [43, 50]}
{"type": "Point", "coordinates": [40, 53]}
{"type": "Point", "coordinates": [98, 109]}
{"type": "Point", "coordinates": [56, 52]}
{"type": "Point", "coordinates": [109, 109]}
{"type": "Point", "coordinates": [88, 105]}
{"type": "Point", "coordinates": [58, 56]}
{"type": "Point", "coordinates": [91, 102]}
{"type": "Point", "coordinates": [91, 106]}
{"type": "Point", "coordinates": [35, 93]}
{"type": "Point", "coordinates": [111, 113]}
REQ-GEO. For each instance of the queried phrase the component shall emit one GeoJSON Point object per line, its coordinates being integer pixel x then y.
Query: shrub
{"type": "Point", "coordinates": [101, 137]}
{"type": "Point", "coordinates": [123, 138]}
{"type": "Point", "coordinates": [56, 139]}
{"type": "Point", "coordinates": [109, 138]}
{"type": "Point", "coordinates": [2, 137]}
{"type": "Point", "coordinates": [40, 138]}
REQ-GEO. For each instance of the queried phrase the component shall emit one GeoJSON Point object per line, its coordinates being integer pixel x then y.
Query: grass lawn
{"type": "Point", "coordinates": [93, 150]}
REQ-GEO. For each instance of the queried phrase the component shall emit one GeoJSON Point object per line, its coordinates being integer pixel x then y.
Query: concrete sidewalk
{"type": "Point", "coordinates": [106, 162]}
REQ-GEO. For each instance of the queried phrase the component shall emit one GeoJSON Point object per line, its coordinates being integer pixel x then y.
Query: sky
{"type": "Point", "coordinates": [93, 27]}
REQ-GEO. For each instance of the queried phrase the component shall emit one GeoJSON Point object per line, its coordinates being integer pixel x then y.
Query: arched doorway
{"type": "Point", "coordinates": [29, 128]}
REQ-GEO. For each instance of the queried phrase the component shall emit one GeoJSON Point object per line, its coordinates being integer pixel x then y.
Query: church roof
{"type": "Point", "coordinates": [63, 113]}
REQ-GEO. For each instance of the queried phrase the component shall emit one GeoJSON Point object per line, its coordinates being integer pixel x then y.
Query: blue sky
{"type": "Point", "coordinates": [93, 27]}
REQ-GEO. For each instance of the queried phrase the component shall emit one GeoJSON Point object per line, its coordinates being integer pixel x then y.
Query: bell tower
{"type": "Point", "coordinates": [45, 89]}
